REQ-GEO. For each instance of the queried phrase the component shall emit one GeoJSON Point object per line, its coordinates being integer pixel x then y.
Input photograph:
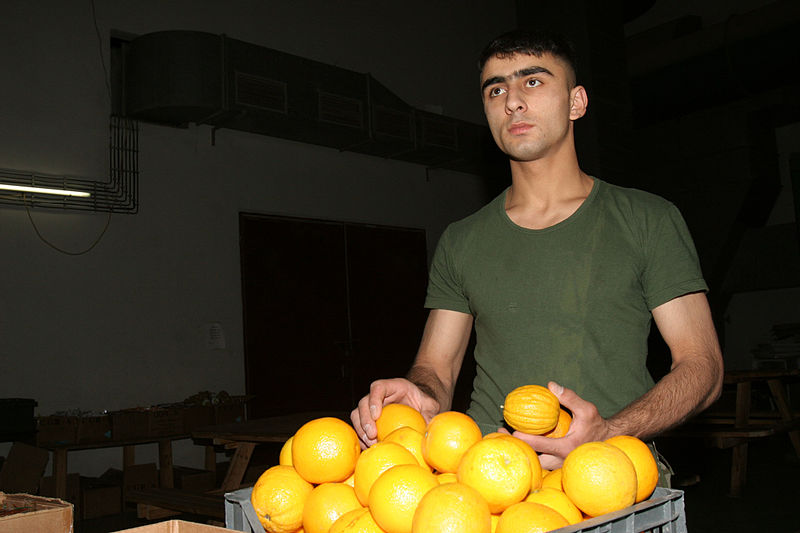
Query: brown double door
{"type": "Point", "coordinates": [328, 307]}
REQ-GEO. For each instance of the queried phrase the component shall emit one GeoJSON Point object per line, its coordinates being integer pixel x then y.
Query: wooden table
{"type": "Point", "coordinates": [243, 438]}
{"type": "Point", "coordinates": [725, 429]}
{"type": "Point", "coordinates": [60, 452]}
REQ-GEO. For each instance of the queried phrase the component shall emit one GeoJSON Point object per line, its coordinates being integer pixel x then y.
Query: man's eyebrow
{"type": "Point", "coordinates": [518, 74]}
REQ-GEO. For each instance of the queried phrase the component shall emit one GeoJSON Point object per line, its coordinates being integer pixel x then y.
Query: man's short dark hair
{"type": "Point", "coordinates": [531, 42]}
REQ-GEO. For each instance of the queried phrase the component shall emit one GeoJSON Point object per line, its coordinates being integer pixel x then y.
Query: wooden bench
{"type": "Point", "coordinates": [204, 504]}
{"type": "Point", "coordinates": [736, 429]}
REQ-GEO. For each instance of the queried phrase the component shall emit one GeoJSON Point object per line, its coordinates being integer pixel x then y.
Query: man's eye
{"type": "Point", "coordinates": [496, 91]}
{"type": "Point", "coordinates": [533, 83]}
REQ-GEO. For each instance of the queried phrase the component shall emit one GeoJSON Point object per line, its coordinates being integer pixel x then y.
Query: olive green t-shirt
{"type": "Point", "coordinates": [570, 303]}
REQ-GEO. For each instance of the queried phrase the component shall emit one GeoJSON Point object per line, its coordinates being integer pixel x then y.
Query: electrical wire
{"type": "Point", "coordinates": [106, 76]}
{"type": "Point", "coordinates": [58, 249]}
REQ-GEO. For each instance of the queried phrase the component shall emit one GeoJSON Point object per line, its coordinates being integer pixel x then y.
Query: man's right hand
{"type": "Point", "coordinates": [383, 392]}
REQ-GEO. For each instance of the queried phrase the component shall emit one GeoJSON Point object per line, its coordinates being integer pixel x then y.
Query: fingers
{"type": "Point", "coordinates": [550, 462]}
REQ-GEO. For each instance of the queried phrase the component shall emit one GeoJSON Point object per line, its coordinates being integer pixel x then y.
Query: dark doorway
{"type": "Point", "coordinates": [328, 307]}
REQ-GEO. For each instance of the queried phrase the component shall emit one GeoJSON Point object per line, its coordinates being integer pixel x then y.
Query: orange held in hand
{"type": "Point", "coordinates": [447, 439]}
{"type": "Point", "coordinates": [562, 426]}
{"type": "Point", "coordinates": [599, 478]}
{"type": "Point", "coordinates": [278, 498]}
{"type": "Point", "coordinates": [325, 450]}
{"type": "Point", "coordinates": [397, 415]}
{"type": "Point", "coordinates": [531, 409]}
{"type": "Point", "coordinates": [643, 462]}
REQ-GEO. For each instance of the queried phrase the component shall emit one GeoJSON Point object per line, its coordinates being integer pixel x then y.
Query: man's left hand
{"type": "Point", "coordinates": [587, 425]}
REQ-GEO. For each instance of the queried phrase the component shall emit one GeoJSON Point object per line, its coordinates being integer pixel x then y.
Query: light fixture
{"type": "Point", "coordinates": [43, 190]}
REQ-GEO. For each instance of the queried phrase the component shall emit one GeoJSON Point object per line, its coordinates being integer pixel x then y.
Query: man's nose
{"type": "Point", "coordinates": [515, 101]}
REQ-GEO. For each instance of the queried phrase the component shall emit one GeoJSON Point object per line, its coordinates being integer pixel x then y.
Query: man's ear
{"type": "Point", "coordinates": [578, 102]}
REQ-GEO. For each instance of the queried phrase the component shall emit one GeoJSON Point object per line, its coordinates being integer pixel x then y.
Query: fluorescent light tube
{"type": "Point", "coordinates": [43, 190]}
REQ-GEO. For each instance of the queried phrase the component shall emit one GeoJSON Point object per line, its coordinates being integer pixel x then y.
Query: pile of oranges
{"type": "Point", "coordinates": [444, 476]}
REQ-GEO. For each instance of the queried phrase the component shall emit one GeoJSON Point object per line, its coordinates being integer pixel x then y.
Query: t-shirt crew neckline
{"type": "Point", "coordinates": [501, 202]}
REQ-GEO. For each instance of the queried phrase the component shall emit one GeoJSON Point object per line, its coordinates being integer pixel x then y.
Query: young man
{"type": "Point", "coordinates": [561, 275]}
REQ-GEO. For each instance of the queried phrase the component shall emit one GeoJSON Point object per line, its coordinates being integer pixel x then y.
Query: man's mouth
{"type": "Point", "coordinates": [519, 128]}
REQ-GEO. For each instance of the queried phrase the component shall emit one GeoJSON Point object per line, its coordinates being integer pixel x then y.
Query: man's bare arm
{"type": "Point", "coordinates": [440, 355]}
{"type": "Point", "coordinates": [695, 378]}
{"type": "Point", "coordinates": [693, 383]}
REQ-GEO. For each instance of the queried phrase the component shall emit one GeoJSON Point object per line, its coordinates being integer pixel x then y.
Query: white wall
{"type": "Point", "coordinates": [123, 325]}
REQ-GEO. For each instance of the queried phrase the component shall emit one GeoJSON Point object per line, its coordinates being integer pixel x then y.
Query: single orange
{"type": "Point", "coordinates": [325, 450]}
{"type": "Point", "coordinates": [531, 409]}
{"type": "Point", "coordinates": [599, 478]}
{"type": "Point", "coordinates": [447, 439]}
{"type": "Point", "coordinates": [285, 457]}
{"type": "Point", "coordinates": [410, 439]}
{"type": "Point", "coordinates": [394, 496]}
{"type": "Point", "coordinates": [325, 504]}
{"type": "Point", "coordinates": [358, 521]}
{"type": "Point", "coordinates": [553, 480]}
{"type": "Point", "coordinates": [278, 498]}
{"type": "Point", "coordinates": [452, 508]}
{"type": "Point", "coordinates": [529, 517]}
{"type": "Point", "coordinates": [376, 460]}
{"type": "Point", "coordinates": [533, 457]}
{"type": "Point", "coordinates": [397, 415]}
{"type": "Point", "coordinates": [643, 462]}
{"type": "Point", "coordinates": [558, 501]}
{"type": "Point", "coordinates": [499, 470]}
{"type": "Point", "coordinates": [562, 426]}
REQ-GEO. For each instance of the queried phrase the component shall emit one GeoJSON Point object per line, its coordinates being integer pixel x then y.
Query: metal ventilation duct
{"type": "Point", "coordinates": [181, 77]}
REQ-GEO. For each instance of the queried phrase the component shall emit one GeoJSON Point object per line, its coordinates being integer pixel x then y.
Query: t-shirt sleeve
{"type": "Point", "coordinates": [445, 290]}
{"type": "Point", "coordinates": [672, 267]}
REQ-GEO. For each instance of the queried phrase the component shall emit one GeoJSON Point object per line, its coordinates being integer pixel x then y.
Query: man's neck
{"type": "Point", "coordinates": [545, 192]}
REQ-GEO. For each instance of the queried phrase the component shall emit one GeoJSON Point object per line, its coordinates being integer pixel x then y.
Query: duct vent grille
{"type": "Point", "coordinates": [259, 92]}
{"type": "Point", "coordinates": [340, 110]}
{"type": "Point", "coordinates": [440, 133]}
{"type": "Point", "coordinates": [392, 123]}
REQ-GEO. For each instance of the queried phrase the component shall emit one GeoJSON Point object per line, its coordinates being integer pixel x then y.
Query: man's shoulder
{"type": "Point", "coordinates": [478, 219]}
{"type": "Point", "coordinates": [633, 201]}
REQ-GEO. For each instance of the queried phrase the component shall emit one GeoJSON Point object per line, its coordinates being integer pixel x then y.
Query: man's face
{"type": "Point", "coordinates": [529, 104]}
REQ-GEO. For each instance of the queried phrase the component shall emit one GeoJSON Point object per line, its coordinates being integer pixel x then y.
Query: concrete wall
{"type": "Point", "coordinates": [126, 324]}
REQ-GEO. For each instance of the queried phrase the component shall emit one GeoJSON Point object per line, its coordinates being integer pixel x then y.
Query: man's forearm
{"type": "Point", "coordinates": [689, 388]}
{"type": "Point", "coordinates": [430, 383]}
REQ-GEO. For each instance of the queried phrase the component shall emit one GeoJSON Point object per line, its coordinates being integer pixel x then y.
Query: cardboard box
{"type": "Point", "coordinates": [193, 479]}
{"type": "Point", "coordinates": [47, 488]}
{"type": "Point", "coordinates": [57, 430]}
{"type": "Point", "coordinates": [23, 513]}
{"type": "Point", "coordinates": [145, 423]}
{"type": "Point", "coordinates": [165, 421]}
{"type": "Point", "coordinates": [175, 526]}
{"type": "Point", "coordinates": [94, 428]}
{"type": "Point", "coordinates": [23, 469]}
{"type": "Point", "coordinates": [139, 477]}
{"type": "Point", "coordinates": [197, 416]}
{"type": "Point", "coordinates": [129, 424]}
{"type": "Point", "coordinates": [230, 413]}
{"type": "Point", "coordinates": [99, 498]}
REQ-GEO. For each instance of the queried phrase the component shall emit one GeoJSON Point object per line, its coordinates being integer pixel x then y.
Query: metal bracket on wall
{"type": "Point", "coordinates": [118, 195]}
